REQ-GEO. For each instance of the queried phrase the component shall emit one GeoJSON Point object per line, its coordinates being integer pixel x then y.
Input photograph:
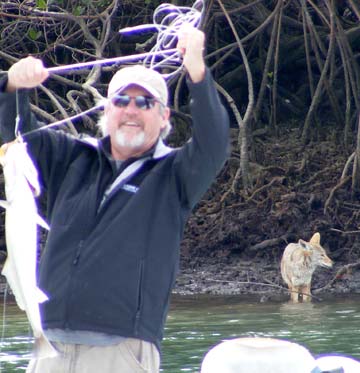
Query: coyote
{"type": "Point", "coordinates": [299, 262]}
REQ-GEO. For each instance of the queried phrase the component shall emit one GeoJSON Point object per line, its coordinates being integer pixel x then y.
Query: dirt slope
{"type": "Point", "coordinates": [234, 245]}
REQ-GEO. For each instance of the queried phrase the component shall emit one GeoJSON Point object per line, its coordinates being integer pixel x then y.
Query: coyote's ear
{"type": "Point", "coordinates": [315, 239]}
{"type": "Point", "coordinates": [303, 244]}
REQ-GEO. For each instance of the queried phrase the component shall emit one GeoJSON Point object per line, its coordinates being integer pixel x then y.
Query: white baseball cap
{"type": "Point", "coordinates": [141, 76]}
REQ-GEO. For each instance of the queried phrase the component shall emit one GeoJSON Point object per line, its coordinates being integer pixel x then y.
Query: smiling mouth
{"type": "Point", "coordinates": [130, 124]}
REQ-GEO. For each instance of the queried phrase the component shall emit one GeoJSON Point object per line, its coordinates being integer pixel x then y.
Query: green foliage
{"type": "Point", "coordinates": [34, 34]}
{"type": "Point", "coordinates": [41, 4]}
{"type": "Point", "coordinates": [78, 11]}
{"type": "Point", "coordinates": [155, 3]}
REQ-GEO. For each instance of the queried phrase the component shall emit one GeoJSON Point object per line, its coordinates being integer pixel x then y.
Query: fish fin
{"type": "Point", "coordinates": [4, 204]}
{"type": "Point", "coordinates": [43, 348]}
{"type": "Point", "coordinates": [40, 221]}
{"type": "Point", "coordinates": [41, 296]}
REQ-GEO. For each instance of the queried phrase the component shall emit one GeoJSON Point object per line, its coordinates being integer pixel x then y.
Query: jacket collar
{"type": "Point", "coordinates": [161, 150]}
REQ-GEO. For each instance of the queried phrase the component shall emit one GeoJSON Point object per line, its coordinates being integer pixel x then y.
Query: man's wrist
{"type": "Point", "coordinates": [197, 75]}
{"type": "Point", "coordinates": [9, 88]}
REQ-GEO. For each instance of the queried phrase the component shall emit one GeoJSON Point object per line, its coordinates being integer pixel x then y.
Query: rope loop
{"type": "Point", "coordinates": [168, 19]}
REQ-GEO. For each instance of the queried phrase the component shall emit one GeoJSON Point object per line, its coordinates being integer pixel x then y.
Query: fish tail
{"type": "Point", "coordinates": [43, 348]}
{"type": "Point", "coordinates": [4, 204]}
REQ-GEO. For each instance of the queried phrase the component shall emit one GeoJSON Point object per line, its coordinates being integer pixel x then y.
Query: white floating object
{"type": "Point", "coordinates": [332, 362]}
{"type": "Point", "coordinates": [258, 355]}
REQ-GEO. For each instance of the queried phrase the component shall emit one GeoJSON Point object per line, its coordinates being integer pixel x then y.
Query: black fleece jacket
{"type": "Point", "coordinates": [111, 268]}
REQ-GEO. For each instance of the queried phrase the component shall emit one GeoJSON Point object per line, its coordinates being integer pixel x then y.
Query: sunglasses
{"type": "Point", "coordinates": [141, 102]}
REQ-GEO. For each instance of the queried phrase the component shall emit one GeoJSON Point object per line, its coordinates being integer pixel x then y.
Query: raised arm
{"type": "Point", "coordinates": [191, 43]}
{"type": "Point", "coordinates": [14, 100]}
{"type": "Point", "coordinates": [200, 159]}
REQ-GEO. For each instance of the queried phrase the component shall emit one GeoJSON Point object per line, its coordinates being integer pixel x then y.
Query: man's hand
{"type": "Point", "coordinates": [191, 43]}
{"type": "Point", "coordinates": [28, 72]}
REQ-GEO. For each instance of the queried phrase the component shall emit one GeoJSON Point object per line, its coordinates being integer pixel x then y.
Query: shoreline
{"type": "Point", "coordinates": [258, 278]}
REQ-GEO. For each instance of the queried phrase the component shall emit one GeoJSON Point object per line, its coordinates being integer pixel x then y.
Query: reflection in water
{"type": "Point", "coordinates": [16, 342]}
{"type": "Point", "coordinates": [195, 324]}
{"type": "Point", "coordinates": [325, 327]}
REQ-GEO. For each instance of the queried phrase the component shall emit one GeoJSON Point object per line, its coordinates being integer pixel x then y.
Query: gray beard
{"type": "Point", "coordinates": [135, 142]}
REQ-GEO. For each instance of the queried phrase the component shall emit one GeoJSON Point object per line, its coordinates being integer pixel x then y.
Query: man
{"type": "Point", "coordinates": [116, 211]}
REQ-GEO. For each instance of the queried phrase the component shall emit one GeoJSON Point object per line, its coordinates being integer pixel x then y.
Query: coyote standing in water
{"type": "Point", "coordinates": [299, 262]}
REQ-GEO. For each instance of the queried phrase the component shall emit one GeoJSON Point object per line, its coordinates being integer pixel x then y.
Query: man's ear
{"type": "Point", "coordinates": [165, 116]}
{"type": "Point", "coordinates": [166, 113]}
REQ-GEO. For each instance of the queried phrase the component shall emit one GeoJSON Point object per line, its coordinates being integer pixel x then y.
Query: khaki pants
{"type": "Point", "coordinates": [130, 356]}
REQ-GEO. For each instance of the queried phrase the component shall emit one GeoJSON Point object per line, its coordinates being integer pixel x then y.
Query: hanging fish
{"type": "Point", "coordinates": [21, 220]}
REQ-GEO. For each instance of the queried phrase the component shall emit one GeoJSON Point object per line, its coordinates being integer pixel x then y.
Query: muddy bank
{"type": "Point", "coordinates": [239, 275]}
{"type": "Point", "coordinates": [234, 241]}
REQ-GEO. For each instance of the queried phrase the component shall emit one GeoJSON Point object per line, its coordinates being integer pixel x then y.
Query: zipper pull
{"type": "Point", "coordinates": [78, 252]}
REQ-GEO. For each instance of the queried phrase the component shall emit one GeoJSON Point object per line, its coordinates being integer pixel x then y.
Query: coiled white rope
{"type": "Point", "coordinates": [168, 19]}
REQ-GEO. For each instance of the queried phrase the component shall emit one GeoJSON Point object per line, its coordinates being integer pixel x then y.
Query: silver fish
{"type": "Point", "coordinates": [21, 220]}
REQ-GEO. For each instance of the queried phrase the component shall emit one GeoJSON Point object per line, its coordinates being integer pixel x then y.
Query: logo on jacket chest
{"type": "Point", "coordinates": [130, 188]}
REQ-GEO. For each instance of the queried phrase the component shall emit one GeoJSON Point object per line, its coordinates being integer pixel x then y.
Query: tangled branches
{"type": "Point", "coordinates": [274, 61]}
{"type": "Point", "coordinates": [62, 32]}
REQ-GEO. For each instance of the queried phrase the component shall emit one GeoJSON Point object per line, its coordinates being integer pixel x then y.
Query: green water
{"type": "Point", "coordinates": [195, 324]}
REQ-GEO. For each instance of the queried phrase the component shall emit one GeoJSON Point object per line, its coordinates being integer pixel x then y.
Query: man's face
{"type": "Point", "coordinates": [134, 130]}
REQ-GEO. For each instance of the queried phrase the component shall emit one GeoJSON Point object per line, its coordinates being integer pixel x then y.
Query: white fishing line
{"type": "Point", "coordinates": [168, 20]}
{"type": "Point", "coordinates": [3, 326]}
{"type": "Point", "coordinates": [107, 61]}
{"type": "Point", "coordinates": [76, 116]}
